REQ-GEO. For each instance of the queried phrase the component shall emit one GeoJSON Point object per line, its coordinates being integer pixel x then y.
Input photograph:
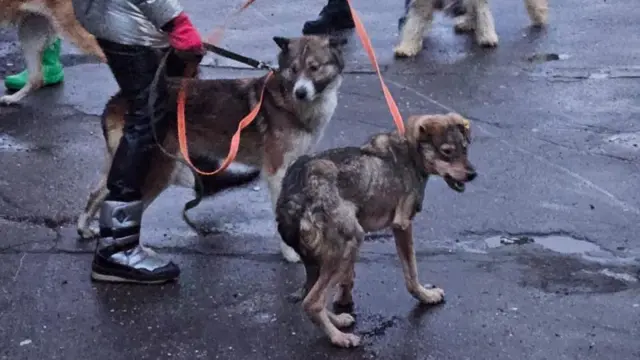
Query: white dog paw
{"type": "Point", "coordinates": [289, 254]}
{"type": "Point", "coordinates": [489, 39]}
{"type": "Point", "coordinates": [344, 340]}
{"type": "Point", "coordinates": [8, 100]}
{"type": "Point", "coordinates": [407, 49]}
{"type": "Point", "coordinates": [430, 296]}
{"type": "Point", "coordinates": [87, 233]}
{"type": "Point", "coordinates": [343, 320]}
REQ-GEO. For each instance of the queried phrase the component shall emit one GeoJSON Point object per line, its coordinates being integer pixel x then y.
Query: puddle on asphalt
{"type": "Point", "coordinates": [626, 140]}
{"type": "Point", "coordinates": [560, 244]}
{"type": "Point", "coordinates": [9, 143]}
{"type": "Point", "coordinates": [540, 58]}
{"type": "Point", "coordinates": [584, 265]}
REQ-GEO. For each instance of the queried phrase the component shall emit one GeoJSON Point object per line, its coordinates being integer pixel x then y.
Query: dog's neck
{"type": "Point", "coordinates": [408, 156]}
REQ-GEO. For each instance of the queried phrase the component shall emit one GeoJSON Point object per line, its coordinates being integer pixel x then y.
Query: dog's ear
{"type": "Point", "coordinates": [463, 124]}
{"type": "Point", "coordinates": [337, 42]}
{"type": "Point", "coordinates": [420, 128]}
{"type": "Point", "coordinates": [282, 42]}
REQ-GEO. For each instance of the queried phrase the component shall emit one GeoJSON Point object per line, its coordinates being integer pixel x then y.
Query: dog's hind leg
{"type": "Point", "coordinates": [68, 24]}
{"type": "Point", "coordinates": [96, 198]}
{"type": "Point", "coordinates": [312, 271]}
{"type": "Point", "coordinates": [538, 11]}
{"type": "Point", "coordinates": [274, 183]}
{"type": "Point", "coordinates": [35, 33]}
{"type": "Point", "coordinates": [404, 246]}
{"type": "Point", "coordinates": [343, 300]}
{"type": "Point", "coordinates": [485, 28]}
{"type": "Point", "coordinates": [332, 269]}
{"type": "Point", "coordinates": [419, 17]}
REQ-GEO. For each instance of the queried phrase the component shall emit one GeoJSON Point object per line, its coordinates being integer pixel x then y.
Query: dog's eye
{"type": "Point", "coordinates": [446, 150]}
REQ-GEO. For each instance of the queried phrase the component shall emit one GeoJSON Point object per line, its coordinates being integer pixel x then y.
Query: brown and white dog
{"type": "Point", "coordinates": [299, 102]}
{"type": "Point", "coordinates": [331, 199]}
{"type": "Point", "coordinates": [475, 16]}
{"type": "Point", "coordinates": [39, 22]}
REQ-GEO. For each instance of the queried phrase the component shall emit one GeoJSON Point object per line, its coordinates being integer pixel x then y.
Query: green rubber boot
{"type": "Point", "coordinates": [52, 71]}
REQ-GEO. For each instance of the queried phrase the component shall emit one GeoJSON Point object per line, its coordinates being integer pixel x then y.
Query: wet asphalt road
{"type": "Point", "coordinates": [557, 145]}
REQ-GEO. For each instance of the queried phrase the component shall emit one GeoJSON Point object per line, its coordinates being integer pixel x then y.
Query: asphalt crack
{"type": "Point", "coordinates": [583, 152]}
{"type": "Point", "coordinates": [53, 223]}
{"type": "Point", "coordinates": [494, 232]}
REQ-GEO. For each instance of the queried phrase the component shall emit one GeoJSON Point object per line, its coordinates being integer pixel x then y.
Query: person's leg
{"type": "Point", "coordinates": [334, 16]}
{"type": "Point", "coordinates": [119, 256]}
{"type": "Point", "coordinates": [52, 69]}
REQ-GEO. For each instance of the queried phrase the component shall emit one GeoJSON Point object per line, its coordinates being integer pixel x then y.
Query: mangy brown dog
{"type": "Point", "coordinates": [330, 200]}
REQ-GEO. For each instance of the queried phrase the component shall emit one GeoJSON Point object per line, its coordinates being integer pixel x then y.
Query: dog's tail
{"type": "Point", "coordinates": [65, 21]}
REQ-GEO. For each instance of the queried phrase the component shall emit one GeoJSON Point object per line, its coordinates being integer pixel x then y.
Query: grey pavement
{"type": "Point", "coordinates": [539, 258]}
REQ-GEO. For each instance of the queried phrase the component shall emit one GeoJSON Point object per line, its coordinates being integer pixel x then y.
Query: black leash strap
{"type": "Point", "coordinates": [236, 57]}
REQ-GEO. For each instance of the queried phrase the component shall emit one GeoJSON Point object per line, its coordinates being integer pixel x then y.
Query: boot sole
{"type": "Point", "coordinates": [117, 279]}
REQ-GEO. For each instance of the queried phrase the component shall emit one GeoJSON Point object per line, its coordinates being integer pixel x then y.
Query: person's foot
{"type": "Point", "coordinates": [52, 70]}
{"type": "Point", "coordinates": [133, 265]}
{"type": "Point", "coordinates": [335, 16]}
{"type": "Point", "coordinates": [119, 257]}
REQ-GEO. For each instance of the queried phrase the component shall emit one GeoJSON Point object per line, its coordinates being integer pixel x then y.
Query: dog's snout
{"type": "Point", "coordinates": [471, 174]}
{"type": "Point", "coordinates": [301, 93]}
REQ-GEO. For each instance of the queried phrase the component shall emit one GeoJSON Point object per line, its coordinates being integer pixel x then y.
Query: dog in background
{"type": "Point", "coordinates": [299, 102]}
{"type": "Point", "coordinates": [475, 16]}
{"type": "Point", "coordinates": [39, 22]}
{"type": "Point", "coordinates": [330, 200]}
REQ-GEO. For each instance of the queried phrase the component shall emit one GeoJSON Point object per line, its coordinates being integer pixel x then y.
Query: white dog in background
{"type": "Point", "coordinates": [472, 15]}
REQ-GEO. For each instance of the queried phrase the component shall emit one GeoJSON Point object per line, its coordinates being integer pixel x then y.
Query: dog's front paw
{"type": "Point", "coordinates": [343, 320]}
{"type": "Point", "coordinates": [407, 49]}
{"type": "Point", "coordinates": [88, 233]}
{"type": "Point", "coordinates": [487, 39]}
{"type": "Point", "coordinates": [431, 296]}
{"type": "Point", "coordinates": [288, 253]}
{"type": "Point", "coordinates": [345, 340]}
{"type": "Point", "coordinates": [464, 23]}
{"type": "Point", "coordinates": [8, 100]}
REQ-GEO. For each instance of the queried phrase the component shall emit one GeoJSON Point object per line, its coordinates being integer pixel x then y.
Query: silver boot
{"type": "Point", "coordinates": [119, 256]}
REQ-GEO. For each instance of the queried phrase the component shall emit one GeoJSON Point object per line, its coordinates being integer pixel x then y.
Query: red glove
{"type": "Point", "coordinates": [183, 36]}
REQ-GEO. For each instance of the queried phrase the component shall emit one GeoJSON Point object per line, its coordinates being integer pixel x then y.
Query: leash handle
{"type": "Point", "coordinates": [366, 43]}
{"type": "Point", "coordinates": [235, 140]}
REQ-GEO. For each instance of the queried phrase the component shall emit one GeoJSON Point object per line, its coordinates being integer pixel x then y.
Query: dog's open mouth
{"type": "Point", "coordinates": [454, 184]}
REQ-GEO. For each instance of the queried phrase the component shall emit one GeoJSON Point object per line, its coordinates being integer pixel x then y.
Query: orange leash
{"type": "Point", "coordinates": [235, 140]}
{"type": "Point", "coordinates": [216, 35]}
{"type": "Point", "coordinates": [366, 42]}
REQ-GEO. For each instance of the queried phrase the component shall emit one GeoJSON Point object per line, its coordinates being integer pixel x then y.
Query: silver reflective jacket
{"type": "Point", "coordinates": [129, 22]}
